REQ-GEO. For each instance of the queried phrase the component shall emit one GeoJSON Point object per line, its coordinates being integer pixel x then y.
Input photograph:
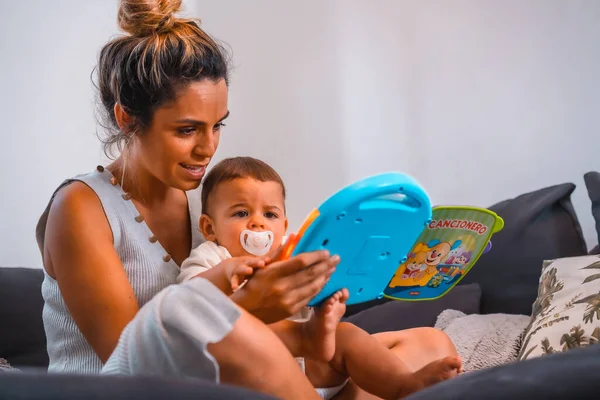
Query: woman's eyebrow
{"type": "Point", "coordinates": [191, 121]}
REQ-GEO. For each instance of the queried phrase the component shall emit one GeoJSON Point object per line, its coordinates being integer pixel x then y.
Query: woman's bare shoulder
{"type": "Point", "coordinates": [77, 206]}
{"type": "Point", "coordinates": [76, 220]}
{"type": "Point", "coordinates": [75, 196]}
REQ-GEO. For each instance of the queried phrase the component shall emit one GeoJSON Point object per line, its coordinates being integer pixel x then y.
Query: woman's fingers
{"type": "Point", "coordinates": [302, 295]}
{"type": "Point", "coordinates": [308, 283]}
{"type": "Point", "coordinates": [301, 262]}
{"type": "Point", "coordinates": [323, 268]}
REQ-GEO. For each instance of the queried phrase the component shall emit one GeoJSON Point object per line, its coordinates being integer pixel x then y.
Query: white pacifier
{"type": "Point", "coordinates": [256, 243]}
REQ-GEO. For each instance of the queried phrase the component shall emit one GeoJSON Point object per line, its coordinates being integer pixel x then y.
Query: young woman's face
{"type": "Point", "coordinates": [184, 135]}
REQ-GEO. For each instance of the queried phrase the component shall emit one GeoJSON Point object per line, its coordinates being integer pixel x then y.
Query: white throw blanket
{"type": "Point", "coordinates": [484, 341]}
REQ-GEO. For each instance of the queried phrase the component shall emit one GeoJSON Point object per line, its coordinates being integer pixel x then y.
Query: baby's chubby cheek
{"type": "Point", "coordinates": [235, 247]}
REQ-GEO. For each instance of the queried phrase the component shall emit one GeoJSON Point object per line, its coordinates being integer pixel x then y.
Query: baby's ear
{"type": "Point", "coordinates": [207, 228]}
{"type": "Point", "coordinates": [286, 225]}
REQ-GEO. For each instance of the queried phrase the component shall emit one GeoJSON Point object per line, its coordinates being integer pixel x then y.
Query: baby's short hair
{"type": "Point", "coordinates": [235, 168]}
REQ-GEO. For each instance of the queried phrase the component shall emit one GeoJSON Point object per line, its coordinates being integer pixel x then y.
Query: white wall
{"type": "Point", "coordinates": [285, 92]}
{"type": "Point", "coordinates": [480, 100]}
{"type": "Point", "coordinates": [48, 51]}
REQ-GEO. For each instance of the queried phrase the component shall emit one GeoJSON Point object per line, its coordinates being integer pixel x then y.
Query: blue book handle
{"type": "Point", "coordinates": [372, 225]}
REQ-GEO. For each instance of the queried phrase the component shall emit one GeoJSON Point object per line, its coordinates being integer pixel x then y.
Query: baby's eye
{"type": "Point", "coordinates": [270, 215]}
{"type": "Point", "coordinates": [241, 214]}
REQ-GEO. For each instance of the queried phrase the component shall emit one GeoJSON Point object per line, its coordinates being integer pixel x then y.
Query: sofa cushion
{"type": "Point", "coordinates": [566, 313]}
{"type": "Point", "coordinates": [22, 337]}
{"type": "Point", "coordinates": [396, 315]}
{"type": "Point", "coordinates": [539, 225]}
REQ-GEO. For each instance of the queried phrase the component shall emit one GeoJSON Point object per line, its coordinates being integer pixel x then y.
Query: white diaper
{"type": "Point", "coordinates": [325, 393]}
{"type": "Point", "coordinates": [328, 393]}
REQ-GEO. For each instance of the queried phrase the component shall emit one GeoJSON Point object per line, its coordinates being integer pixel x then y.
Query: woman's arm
{"type": "Point", "coordinates": [80, 255]}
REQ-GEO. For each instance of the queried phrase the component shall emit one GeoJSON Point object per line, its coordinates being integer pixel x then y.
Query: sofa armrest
{"type": "Point", "coordinates": [38, 386]}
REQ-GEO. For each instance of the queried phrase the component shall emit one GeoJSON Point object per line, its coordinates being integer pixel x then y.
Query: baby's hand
{"type": "Point", "coordinates": [238, 269]}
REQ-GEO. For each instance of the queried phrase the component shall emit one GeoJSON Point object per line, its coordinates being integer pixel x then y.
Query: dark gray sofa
{"type": "Point", "coordinates": [538, 225]}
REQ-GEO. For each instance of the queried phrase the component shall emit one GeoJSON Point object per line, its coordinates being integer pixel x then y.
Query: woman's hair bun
{"type": "Point", "coordinates": [147, 17]}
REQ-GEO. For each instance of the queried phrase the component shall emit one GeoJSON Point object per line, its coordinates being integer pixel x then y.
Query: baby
{"type": "Point", "coordinates": [244, 215]}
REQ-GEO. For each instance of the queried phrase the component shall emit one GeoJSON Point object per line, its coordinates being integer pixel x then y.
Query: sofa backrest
{"type": "Point", "coordinates": [22, 337]}
{"type": "Point", "coordinates": [540, 225]}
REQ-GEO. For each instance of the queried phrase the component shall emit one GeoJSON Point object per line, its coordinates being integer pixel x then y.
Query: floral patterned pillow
{"type": "Point", "coordinates": [566, 313]}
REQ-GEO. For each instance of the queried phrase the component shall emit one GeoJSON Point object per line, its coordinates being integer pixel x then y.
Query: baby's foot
{"type": "Point", "coordinates": [319, 332]}
{"type": "Point", "coordinates": [438, 371]}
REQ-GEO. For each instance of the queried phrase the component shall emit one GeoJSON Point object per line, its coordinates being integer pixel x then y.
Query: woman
{"type": "Point", "coordinates": [113, 239]}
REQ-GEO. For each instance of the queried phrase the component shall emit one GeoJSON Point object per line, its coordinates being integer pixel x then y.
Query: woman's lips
{"type": "Point", "coordinates": [194, 171]}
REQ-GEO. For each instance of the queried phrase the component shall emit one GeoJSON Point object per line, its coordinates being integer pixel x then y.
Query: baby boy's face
{"type": "Point", "coordinates": [247, 203]}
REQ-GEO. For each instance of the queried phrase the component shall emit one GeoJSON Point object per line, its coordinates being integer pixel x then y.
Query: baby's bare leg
{"type": "Point", "coordinates": [320, 331]}
{"type": "Point", "coordinates": [314, 338]}
{"type": "Point", "coordinates": [418, 347]}
{"type": "Point", "coordinates": [375, 369]}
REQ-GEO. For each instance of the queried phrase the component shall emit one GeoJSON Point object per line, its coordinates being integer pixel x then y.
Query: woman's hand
{"type": "Point", "coordinates": [283, 287]}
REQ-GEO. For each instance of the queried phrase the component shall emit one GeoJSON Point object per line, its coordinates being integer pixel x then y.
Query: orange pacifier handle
{"type": "Point", "coordinates": [290, 245]}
